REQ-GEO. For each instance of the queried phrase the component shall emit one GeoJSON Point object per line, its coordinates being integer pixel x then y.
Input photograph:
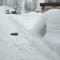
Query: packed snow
{"type": "Point", "coordinates": [23, 46]}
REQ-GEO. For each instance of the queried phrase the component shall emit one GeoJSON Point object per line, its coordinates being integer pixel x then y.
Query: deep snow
{"type": "Point", "coordinates": [24, 46]}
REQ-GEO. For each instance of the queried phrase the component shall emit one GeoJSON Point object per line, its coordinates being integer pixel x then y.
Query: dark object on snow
{"type": "Point", "coordinates": [7, 12]}
{"type": "Point", "coordinates": [14, 34]}
{"type": "Point", "coordinates": [14, 12]}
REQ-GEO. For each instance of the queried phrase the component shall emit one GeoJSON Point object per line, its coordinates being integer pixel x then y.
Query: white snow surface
{"type": "Point", "coordinates": [24, 46]}
{"type": "Point", "coordinates": [27, 19]}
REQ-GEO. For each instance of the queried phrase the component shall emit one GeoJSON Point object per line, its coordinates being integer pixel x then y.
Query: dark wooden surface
{"type": "Point", "coordinates": [43, 5]}
{"type": "Point", "coordinates": [49, 4]}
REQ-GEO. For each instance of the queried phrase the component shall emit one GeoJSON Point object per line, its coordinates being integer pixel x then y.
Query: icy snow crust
{"type": "Point", "coordinates": [23, 46]}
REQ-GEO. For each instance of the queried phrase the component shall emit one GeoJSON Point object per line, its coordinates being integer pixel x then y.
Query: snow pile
{"type": "Point", "coordinates": [53, 30]}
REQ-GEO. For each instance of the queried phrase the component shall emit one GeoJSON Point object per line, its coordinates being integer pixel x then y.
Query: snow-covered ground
{"type": "Point", "coordinates": [27, 19]}
{"type": "Point", "coordinates": [21, 47]}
